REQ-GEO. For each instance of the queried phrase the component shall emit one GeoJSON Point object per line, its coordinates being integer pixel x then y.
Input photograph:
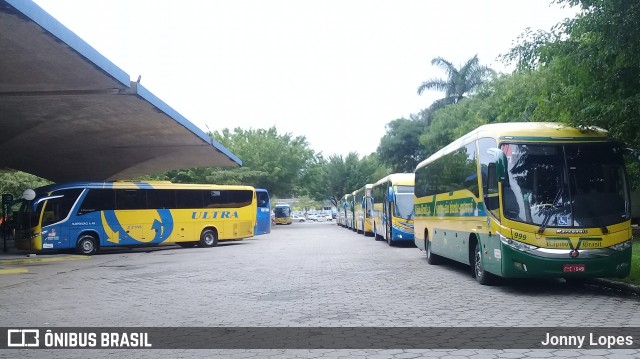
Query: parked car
{"type": "Point", "coordinates": [326, 217]}
{"type": "Point", "coordinates": [296, 218]}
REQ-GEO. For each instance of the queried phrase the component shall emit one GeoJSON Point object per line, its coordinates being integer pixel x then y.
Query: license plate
{"type": "Point", "coordinates": [572, 268]}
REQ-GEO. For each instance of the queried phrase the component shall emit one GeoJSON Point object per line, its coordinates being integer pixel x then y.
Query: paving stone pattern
{"type": "Point", "coordinates": [300, 275]}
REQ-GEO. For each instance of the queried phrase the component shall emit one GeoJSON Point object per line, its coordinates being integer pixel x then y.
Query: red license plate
{"type": "Point", "coordinates": [573, 268]}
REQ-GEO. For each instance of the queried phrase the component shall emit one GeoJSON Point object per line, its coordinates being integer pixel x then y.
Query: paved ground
{"type": "Point", "coordinates": [302, 275]}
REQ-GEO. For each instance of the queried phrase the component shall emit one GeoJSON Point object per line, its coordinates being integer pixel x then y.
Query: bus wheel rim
{"type": "Point", "coordinates": [87, 246]}
{"type": "Point", "coordinates": [208, 239]}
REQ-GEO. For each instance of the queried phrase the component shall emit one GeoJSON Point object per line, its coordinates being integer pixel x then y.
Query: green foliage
{"type": "Point", "coordinates": [338, 176]}
{"type": "Point", "coordinates": [400, 148]}
{"type": "Point", "coordinates": [15, 182]}
{"type": "Point", "coordinates": [591, 69]}
{"type": "Point", "coordinates": [279, 162]}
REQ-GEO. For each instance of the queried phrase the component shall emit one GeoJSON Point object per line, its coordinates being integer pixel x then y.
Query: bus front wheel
{"type": "Point", "coordinates": [87, 245]}
{"type": "Point", "coordinates": [432, 259]}
{"type": "Point", "coordinates": [208, 238]}
{"type": "Point", "coordinates": [482, 276]}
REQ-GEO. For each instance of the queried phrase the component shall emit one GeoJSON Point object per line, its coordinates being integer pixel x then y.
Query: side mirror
{"type": "Point", "coordinates": [390, 195]}
{"type": "Point", "coordinates": [500, 162]}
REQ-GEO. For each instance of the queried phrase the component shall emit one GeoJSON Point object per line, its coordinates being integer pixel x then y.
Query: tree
{"type": "Point", "coordinates": [270, 160]}
{"type": "Point", "coordinates": [338, 176]}
{"type": "Point", "coordinates": [277, 162]}
{"type": "Point", "coordinates": [592, 69]}
{"type": "Point", "coordinates": [458, 82]}
{"type": "Point", "coordinates": [15, 182]}
{"type": "Point", "coordinates": [400, 147]}
{"type": "Point", "coordinates": [592, 66]}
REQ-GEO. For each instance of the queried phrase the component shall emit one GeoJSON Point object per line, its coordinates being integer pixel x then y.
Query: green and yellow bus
{"type": "Point", "coordinates": [282, 214]}
{"type": "Point", "coordinates": [88, 216]}
{"type": "Point", "coordinates": [526, 200]}
{"type": "Point", "coordinates": [362, 210]}
{"type": "Point", "coordinates": [392, 208]}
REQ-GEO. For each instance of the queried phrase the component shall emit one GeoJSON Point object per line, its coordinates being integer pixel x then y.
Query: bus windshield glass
{"type": "Point", "coordinates": [282, 211]}
{"type": "Point", "coordinates": [404, 202]}
{"type": "Point", "coordinates": [566, 185]}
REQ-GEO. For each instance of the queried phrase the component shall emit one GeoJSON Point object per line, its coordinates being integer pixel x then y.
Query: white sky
{"type": "Point", "coordinates": [333, 71]}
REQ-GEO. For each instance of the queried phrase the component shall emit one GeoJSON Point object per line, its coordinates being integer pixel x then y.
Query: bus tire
{"type": "Point", "coordinates": [432, 259]}
{"type": "Point", "coordinates": [87, 245]}
{"type": "Point", "coordinates": [483, 277]}
{"type": "Point", "coordinates": [208, 238]}
{"type": "Point", "coordinates": [376, 236]}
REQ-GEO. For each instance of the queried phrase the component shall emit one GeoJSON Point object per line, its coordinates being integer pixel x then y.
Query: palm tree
{"type": "Point", "coordinates": [459, 82]}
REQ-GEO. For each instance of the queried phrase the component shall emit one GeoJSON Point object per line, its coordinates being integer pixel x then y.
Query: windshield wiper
{"type": "Point", "coordinates": [551, 212]}
{"type": "Point", "coordinates": [596, 218]}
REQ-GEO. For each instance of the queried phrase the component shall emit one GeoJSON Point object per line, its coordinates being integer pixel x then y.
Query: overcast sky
{"type": "Point", "coordinates": [333, 71]}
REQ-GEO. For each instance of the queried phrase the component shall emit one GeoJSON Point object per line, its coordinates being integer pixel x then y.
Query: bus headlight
{"type": "Point", "coordinates": [523, 247]}
{"type": "Point", "coordinates": [621, 246]}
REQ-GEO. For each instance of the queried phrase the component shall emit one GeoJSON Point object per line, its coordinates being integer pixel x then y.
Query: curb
{"type": "Point", "coordinates": [611, 284]}
{"type": "Point", "coordinates": [41, 260]}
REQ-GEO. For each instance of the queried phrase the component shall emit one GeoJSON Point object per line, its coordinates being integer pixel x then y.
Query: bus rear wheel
{"type": "Point", "coordinates": [376, 236]}
{"type": "Point", "coordinates": [390, 240]}
{"type": "Point", "coordinates": [208, 238]}
{"type": "Point", "coordinates": [87, 245]}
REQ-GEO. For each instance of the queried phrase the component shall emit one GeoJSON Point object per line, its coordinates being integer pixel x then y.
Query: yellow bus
{"type": "Point", "coordinates": [282, 214]}
{"type": "Point", "coordinates": [362, 210]}
{"type": "Point", "coordinates": [526, 200]}
{"type": "Point", "coordinates": [392, 208]}
{"type": "Point", "coordinates": [88, 216]}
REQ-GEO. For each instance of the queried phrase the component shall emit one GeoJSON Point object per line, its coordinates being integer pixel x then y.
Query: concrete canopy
{"type": "Point", "coordinates": [67, 113]}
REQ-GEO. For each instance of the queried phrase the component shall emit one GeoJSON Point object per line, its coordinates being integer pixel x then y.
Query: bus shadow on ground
{"type": "Point", "coordinates": [541, 286]}
{"type": "Point", "coordinates": [399, 244]}
{"type": "Point", "coordinates": [158, 248]}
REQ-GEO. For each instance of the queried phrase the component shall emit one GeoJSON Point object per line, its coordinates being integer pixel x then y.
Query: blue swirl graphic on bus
{"type": "Point", "coordinates": [163, 227]}
{"type": "Point", "coordinates": [133, 231]}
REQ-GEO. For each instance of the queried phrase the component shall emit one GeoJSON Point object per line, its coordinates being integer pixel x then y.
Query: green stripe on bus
{"type": "Point", "coordinates": [465, 207]}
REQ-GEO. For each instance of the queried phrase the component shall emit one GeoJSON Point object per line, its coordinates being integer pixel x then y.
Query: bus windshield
{"type": "Point", "coordinates": [566, 185]}
{"type": "Point", "coordinates": [282, 211]}
{"type": "Point", "coordinates": [404, 202]}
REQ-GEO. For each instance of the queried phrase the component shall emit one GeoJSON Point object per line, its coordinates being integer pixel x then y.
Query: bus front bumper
{"type": "Point", "coordinates": [401, 235]}
{"type": "Point", "coordinates": [606, 263]}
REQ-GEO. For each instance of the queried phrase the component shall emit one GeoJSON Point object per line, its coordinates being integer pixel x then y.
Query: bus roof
{"type": "Point", "coordinates": [523, 132]}
{"type": "Point", "coordinates": [398, 179]}
{"type": "Point", "coordinates": [138, 185]}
